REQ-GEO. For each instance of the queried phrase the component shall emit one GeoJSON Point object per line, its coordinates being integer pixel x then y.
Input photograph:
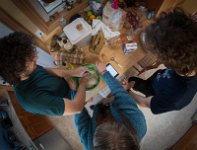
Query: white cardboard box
{"type": "Point", "coordinates": [79, 37]}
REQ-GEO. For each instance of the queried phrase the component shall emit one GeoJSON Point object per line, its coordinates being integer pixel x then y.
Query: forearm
{"type": "Point", "coordinates": [80, 97]}
{"type": "Point", "coordinates": [142, 101]}
{"type": "Point", "coordinates": [59, 72]}
{"type": "Point", "coordinates": [76, 105]}
{"type": "Point", "coordinates": [113, 83]}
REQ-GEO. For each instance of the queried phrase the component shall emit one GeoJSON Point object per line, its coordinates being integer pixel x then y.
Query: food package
{"type": "Point", "coordinates": [97, 43]}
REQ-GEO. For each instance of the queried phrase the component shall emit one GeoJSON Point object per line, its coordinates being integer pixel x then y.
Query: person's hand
{"type": "Point", "coordinates": [100, 67]}
{"type": "Point", "coordinates": [127, 85]}
{"type": "Point", "coordinates": [79, 72]}
{"type": "Point", "coordinates": [83, 80]}
{"type": "Point", "coordinates": [71, 83]}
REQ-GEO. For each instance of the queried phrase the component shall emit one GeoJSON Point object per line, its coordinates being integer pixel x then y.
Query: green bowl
{"type": "Point", "coordinates": [91, 67]}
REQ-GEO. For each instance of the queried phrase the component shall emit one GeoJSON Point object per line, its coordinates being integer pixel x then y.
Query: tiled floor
{"type": "Point", "coordinates": [65, 125]}
{"type": "Point", "coordinates": [164, 130]}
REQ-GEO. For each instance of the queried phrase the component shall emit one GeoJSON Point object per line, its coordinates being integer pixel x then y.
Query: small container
{"type": "Point", "coordinates": [67, 45]}
{"type": "Point", "coordinates": [60, 42]}
{"type": "Point", "coordinates": [68, 66]}
{"type": "Point", "coordinates": [130, 34]}
{"type": "Point", "coordinates": [80, 37]}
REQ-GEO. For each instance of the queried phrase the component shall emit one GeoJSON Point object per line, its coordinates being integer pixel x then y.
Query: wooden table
{"type": "Point", "coordinates": [106, 53]}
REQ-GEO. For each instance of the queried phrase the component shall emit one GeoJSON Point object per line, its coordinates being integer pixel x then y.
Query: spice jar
{"type": "Point", "coordinates": [67, 45]}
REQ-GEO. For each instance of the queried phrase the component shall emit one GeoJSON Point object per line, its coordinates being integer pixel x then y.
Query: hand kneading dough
{"type": "Point", "coordinates": [93, 79]}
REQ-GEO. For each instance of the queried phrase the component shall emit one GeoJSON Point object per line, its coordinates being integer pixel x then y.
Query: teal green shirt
{"type": "Point", "coordinates": [43, 93]}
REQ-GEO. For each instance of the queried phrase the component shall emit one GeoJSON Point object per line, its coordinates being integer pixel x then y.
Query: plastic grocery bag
{"type": "Point", "coordinates": [114, 18]}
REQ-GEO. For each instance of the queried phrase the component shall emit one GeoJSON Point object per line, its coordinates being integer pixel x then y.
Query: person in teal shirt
{"type": "Point", "coordinates": [39, 90]}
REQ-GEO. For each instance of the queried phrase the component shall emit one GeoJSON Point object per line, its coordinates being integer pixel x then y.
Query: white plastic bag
{"type": "Point", "coordinates": [114, 18]}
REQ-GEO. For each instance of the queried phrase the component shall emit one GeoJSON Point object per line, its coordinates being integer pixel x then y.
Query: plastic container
{"type": "Point", "coordinates": [80, 37]}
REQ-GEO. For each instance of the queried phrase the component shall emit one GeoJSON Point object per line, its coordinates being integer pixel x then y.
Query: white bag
{"type": "Point", "coordinates": [114, 18]}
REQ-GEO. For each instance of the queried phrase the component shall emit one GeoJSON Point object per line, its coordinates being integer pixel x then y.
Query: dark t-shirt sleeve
{"type": "Point", "coordinates": [171, 91]}
{"type": "Point", "coordinates": [46, 104]}
{"type": "Point", "coordinates": [160, 105]}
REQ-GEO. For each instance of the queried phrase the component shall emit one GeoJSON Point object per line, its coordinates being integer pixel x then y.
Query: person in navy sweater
{"type": "Point", "coordinates": [172, 38]}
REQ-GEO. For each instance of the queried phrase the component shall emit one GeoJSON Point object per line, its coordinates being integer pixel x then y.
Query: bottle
{"type": "Point", "coordinates": [67, 45]}
{"type": "Point", "coordinates": [129, 34]}
{"type": "Point", "coordinates": [62, 22]}
{"type": "Point", "coordinates": [60, 42]}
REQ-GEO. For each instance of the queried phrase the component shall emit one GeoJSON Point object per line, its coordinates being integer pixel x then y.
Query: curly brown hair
{"type": "Point", "coordinates": [172, 37]}
{"type": "Point", "coordinates": [15, 50]}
